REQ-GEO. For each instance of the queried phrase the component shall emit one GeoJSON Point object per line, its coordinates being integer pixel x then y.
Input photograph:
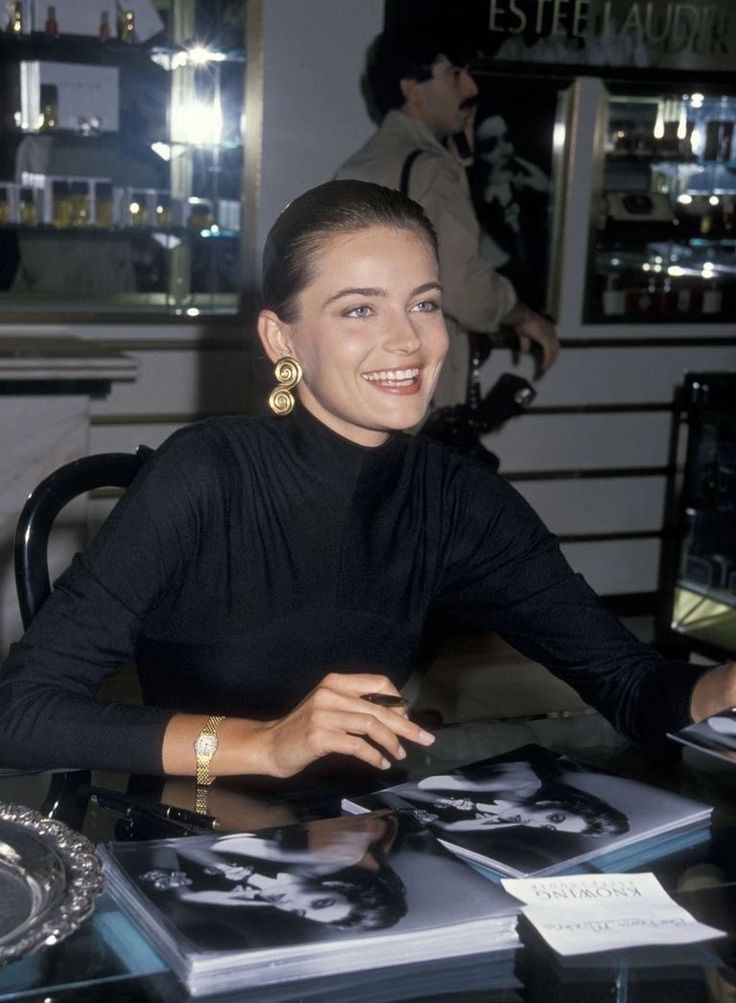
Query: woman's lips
{"type": "Point", "coordinates": [405, 381]}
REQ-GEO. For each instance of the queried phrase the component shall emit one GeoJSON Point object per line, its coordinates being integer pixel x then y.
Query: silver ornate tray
{"type": "Point", "coordinates": [49, 879]}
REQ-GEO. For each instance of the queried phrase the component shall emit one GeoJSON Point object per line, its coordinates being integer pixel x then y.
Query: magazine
{"type": "Point", "coordinates": [305, 901]}
{"type": "Point", "coordinates": [533, 812]}
{"type": "Point", "coordinates": [716, 735]}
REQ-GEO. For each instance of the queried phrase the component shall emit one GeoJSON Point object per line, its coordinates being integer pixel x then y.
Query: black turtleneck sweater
{"type": "Point", "coordinates": [253, 555]}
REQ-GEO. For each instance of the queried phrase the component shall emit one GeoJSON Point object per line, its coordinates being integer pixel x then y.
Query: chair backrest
{"type": "Point", "coordinates": [44, 504]}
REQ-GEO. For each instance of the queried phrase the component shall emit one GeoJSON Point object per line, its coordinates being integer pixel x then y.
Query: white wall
{"type": "Point", "coordinates": [313, 115]}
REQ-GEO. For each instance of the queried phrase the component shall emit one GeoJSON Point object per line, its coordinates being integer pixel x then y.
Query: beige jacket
{"type": "Point", "coordinates": [475, 297]}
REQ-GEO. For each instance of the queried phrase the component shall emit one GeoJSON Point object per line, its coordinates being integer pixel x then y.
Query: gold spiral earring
{"type": "Point", "coordinates": [288, 372]}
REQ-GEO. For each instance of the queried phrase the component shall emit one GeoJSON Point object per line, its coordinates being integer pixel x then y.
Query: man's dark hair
{"type": "Point", "coordinates": [409, 51]}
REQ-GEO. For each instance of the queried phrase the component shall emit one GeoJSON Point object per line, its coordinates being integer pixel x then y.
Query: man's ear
{"type": "Point", "coordinates": [275, 335]}
{"type": "Point", "coordinates": [410, 90]}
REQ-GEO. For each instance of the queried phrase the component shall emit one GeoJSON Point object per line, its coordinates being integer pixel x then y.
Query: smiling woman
{"type": "Point", "coordinates": [265, 574]}
{"type": "Point", "coordinates": [359, 305]}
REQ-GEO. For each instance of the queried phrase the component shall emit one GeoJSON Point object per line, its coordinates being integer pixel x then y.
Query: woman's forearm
{"type": "Point", "coordinates": [333, 718]}
{"type": "Point", "coordinates": [240, 747]}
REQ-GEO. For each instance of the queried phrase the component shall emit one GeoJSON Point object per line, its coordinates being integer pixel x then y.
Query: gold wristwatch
{"type": "Point", "coordinates": [205, 746]}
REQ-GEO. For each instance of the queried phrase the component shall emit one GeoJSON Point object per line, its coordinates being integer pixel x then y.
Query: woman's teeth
{"type": "Point", "coordinates": [392, 376]}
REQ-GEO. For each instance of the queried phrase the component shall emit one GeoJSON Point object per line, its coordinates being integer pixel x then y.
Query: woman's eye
{"type": "Point", "coordinates": [323, 903]}
{"type": "Point", "coordinates": [426, 306]}
{"type": "Point", "coordinates": [557, 818]}
{"type": "Point", "coordinates": [359, 311]}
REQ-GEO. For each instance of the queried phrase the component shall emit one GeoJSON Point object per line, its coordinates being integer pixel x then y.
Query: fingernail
{"type": "Point", "coordinates": [425, 738]}
{"type": "Point", "coordinates": [401, 754]}
{"type": "Point", "coordinates": [385, 764]}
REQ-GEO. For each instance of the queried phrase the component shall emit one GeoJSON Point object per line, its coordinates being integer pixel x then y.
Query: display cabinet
{"type": "Point", "coordinates": [121, 160]}
{"type": "Point", "coordinates": [664, 244]}
{"type": "Point", "coordinates": [702, 566]}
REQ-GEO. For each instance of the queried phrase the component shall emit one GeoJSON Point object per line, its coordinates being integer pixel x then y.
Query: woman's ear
{"type": "Point", "coordinates": [274, 335]}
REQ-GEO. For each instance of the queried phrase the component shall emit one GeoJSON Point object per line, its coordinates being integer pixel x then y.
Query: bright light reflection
{"type": "Point", "coordinates": [714, 200]}
{"type": "Point", "coordinates": [558, 136]}
{"type": "Point", "coordinates": [675, 271]}
{"type": "Point", "coordinates": [163, 150]}
{"type": "Point", "coordinates": [192, 311]}
{"type": "Point", "coordinates": [200, 54]}
{"type": "Point", "coordinates": [199, 122]}
{"type": "Point", "coordinates": [685, 199]}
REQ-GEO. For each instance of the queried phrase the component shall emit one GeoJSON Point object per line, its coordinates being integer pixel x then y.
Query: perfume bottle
{"type": "Point", "coordinates": [104, 213]}
{"type": "Point", "coordinates": [52, 25]}
{"type": "Point", "coordinates": [61, 204]}
{"type": "Point", "coordinates": [27, 207]}
{"type": "Point", "coordinates": [79, 209]}
{"type": "Point", "coordinates": [15, 24]}
{"type": "Point", "coordinates": [49, 119]}
{"type": "Point", "coordinates": [127, 26]}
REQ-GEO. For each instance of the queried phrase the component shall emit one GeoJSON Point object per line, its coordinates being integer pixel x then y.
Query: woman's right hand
{"type": "Point", "coordinates": [334, 718]}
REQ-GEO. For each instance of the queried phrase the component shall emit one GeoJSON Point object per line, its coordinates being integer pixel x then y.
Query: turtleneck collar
{"type": "Point", "coordinates": [329, 453]}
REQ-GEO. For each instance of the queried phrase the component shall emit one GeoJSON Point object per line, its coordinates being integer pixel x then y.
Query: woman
{"type": "Point", "coordinates": [516, 795]}
{"type": "Point", "coordinates": [339, 877]}
{"type": "Point", "coordinates": [273, 571]}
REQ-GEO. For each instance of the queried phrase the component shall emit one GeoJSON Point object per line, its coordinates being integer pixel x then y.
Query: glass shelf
{"type": "Point", "coordinates": [121, 165]}
{"type": "Point", "coordinates": [664, 249]}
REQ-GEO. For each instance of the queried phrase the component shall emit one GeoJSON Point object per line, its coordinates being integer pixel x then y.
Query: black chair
{"type": "Point", "coordinates": [44, 504]}
{"type": "Point", "coordinates": [64, 800]}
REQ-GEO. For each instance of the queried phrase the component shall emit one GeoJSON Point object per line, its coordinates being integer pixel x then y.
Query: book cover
{"type": "Point", "coordinates": [716, 735]}
{"type": "Point", "coordinates": [306, 901]}
{"type": "Point", "coordinates": [533, 812]}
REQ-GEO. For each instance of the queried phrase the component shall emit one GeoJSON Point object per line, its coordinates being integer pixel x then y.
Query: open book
{"type": "Point", "coordinates": [309, 900]}
{"type": "Point", "coordinates": [716, 735]}
{"type": "Point", "coordinates": [533, 812]}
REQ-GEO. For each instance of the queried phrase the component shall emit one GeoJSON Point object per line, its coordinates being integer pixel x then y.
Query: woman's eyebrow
{"type": "Point", "coordinates": [355, 291]}
{"type": "Point", "coordinates": [369, 291]}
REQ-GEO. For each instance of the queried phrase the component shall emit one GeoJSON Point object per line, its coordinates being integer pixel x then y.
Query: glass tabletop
{"type": "Point", "coordinates": [107, 957]}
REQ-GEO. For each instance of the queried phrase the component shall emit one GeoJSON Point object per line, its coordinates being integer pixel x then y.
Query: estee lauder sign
{"type": "Point", "coordinates": [647, 33]}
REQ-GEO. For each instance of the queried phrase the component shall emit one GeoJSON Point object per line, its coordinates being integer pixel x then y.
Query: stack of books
{"type": "Point", "coordinates": [312, 901]}
{"type": "Point", "coordinates": [380, 901]}
{"type": "Point", "coordinates": [532, 812]}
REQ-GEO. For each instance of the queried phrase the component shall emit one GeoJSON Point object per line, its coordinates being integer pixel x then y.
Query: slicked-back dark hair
{"type": "Point", "coordinates": [408, 51]}
{"type": "Point", "coordinates": [336, 208]}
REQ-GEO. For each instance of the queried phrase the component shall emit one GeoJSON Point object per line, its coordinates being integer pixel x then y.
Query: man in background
{"type": "Point", "coordinates": [418, 84]}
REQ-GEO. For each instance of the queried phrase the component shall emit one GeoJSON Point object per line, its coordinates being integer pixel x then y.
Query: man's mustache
{"type": "Point", "coordinates": [469, 103]}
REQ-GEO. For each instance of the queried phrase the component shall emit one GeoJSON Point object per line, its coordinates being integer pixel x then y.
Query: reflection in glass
{"type": "Point", "coordinates": [129, 161]}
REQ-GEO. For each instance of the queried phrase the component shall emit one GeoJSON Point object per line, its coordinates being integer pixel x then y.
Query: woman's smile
{"type": "Point", "coordinates": [404, 381]}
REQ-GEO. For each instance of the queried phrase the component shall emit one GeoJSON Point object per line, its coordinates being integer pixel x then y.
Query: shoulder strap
{"type": "Point", "coordinates": [406, 172]}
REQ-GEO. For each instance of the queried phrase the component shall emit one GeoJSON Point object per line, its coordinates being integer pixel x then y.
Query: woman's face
{"type": "Point", "coordinates": [303, 897]}
{"type": "Point", "coordinates": [369, 334]}
{"type": "Point", "coordinates": [540, 816]}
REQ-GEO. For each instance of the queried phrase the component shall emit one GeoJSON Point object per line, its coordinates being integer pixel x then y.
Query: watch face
{"type": "Point", "coordinates": [205, 745]}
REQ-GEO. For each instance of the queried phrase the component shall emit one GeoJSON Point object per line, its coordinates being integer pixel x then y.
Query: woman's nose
{"type": "Point", "coordinates": [402, 337]}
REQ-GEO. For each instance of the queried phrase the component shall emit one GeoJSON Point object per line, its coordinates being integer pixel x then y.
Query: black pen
{"type": "Point", "coordinates": [384, 699]}
{"type": "Point", "coordinates": [128, 806]}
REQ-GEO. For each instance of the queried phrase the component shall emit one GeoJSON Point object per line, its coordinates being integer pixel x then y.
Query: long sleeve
{"type": "Point", "coordinates": [90, 625]}
{"type": "Point", "coordinates": [505, 571]}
